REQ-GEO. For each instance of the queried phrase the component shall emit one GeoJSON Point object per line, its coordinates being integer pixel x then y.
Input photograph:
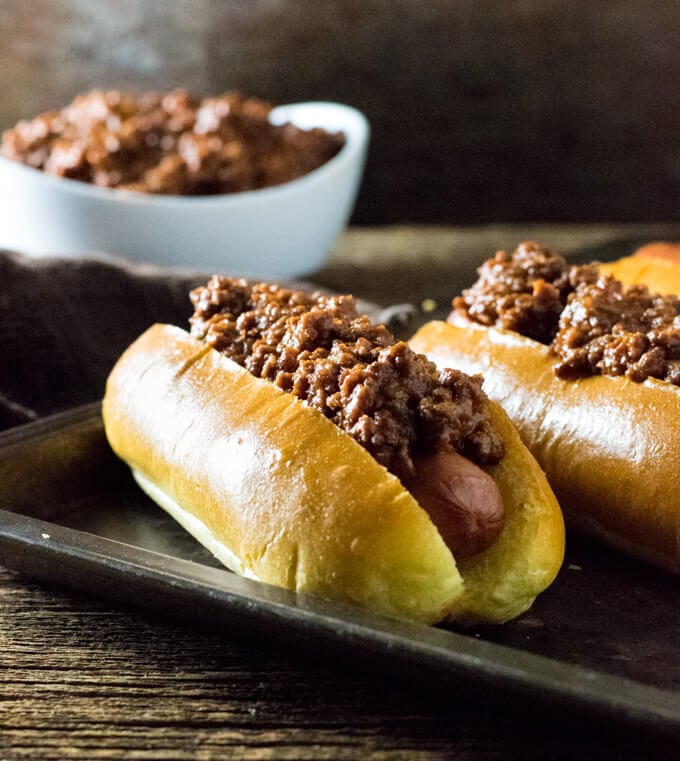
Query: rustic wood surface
{"type": "Point", "coordinates": [84, 679]}
{"type": "Point", "coordinates": [81, 680]}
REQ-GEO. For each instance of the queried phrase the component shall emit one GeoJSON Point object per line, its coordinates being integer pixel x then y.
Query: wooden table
{"type": "Point", "coordinates": [82, 679]}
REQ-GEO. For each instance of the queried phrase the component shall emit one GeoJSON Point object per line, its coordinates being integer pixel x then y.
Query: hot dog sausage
{"type": "Point", "coordinates": [461, 499]}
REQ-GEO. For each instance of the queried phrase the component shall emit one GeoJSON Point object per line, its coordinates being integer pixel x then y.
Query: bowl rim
{"type": "Point", "coordinates": [341, 117]}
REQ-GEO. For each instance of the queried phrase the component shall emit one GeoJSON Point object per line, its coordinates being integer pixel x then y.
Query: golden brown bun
{"type": "Point", "coordinates": [280, 494]}
{"type": "Point", "coordinates": [609, 446]}
{"type": "Point", "coordinates": [657, 265]}
{"type": "Point", "coordinates": [660, 250]}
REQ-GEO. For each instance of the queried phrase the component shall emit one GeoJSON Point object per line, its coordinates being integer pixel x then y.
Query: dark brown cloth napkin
{"type": "Point", "coordinates": [63, 323]}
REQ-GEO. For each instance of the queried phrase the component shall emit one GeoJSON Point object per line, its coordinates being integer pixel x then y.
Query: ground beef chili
{"type": "Point", "coordinates": [593, 324]}
{"type": "Point", "coordinates": [394, 402]}
{"type": "Point", "coordinates": [169, 143]}
{"type": "Point", "coordinates": [525, 291]}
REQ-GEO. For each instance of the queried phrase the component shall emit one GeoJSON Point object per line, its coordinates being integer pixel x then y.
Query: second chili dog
{"type": "Point", "coordinates": [589, 371]}
{"type": "Point", "coordinates": [368, 412]}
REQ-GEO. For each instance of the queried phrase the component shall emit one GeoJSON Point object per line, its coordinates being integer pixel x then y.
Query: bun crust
{"type": "Point", "coordinates": [657, 265]}
{"type": "Point", "coordinates": [281, 495]}
{"type": "Point", "coordinates": [609, 446]}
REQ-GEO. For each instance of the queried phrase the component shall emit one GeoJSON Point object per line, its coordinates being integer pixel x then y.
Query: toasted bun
{"type": "Point", "coordinates": [609, 446]}
{"type": "Point", "coordinates": [280, 494]}
{"type": "Point", "coordinates": [657, 265]}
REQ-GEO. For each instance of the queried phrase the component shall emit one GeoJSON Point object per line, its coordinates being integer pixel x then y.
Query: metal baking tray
{"type": "Point", "coordinates": [600, 643]}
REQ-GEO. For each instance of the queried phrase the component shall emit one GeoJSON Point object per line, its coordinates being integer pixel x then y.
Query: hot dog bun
{"type": "Point", "coordinates": [656, 265]}
{"type": "Point", "coordinates": [280, 494]}
{"type": "Point", "coordinates": [609, 446]}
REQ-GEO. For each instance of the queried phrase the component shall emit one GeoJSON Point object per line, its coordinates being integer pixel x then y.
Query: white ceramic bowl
{"type": "Point", "coordinates": [276, 232]}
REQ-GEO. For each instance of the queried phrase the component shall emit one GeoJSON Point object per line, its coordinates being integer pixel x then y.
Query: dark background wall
{"type": "Point", "coordinates": [482, 111]}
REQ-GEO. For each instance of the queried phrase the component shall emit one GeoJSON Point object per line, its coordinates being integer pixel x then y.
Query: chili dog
{"type": "Point", "coordinates": [285, 432]}
{"type": "Point", "coordinates": [588, 369]}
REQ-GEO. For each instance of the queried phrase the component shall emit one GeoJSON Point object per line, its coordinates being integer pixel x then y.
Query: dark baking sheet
{"type": "Point", "coordinates": [600, 642]}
